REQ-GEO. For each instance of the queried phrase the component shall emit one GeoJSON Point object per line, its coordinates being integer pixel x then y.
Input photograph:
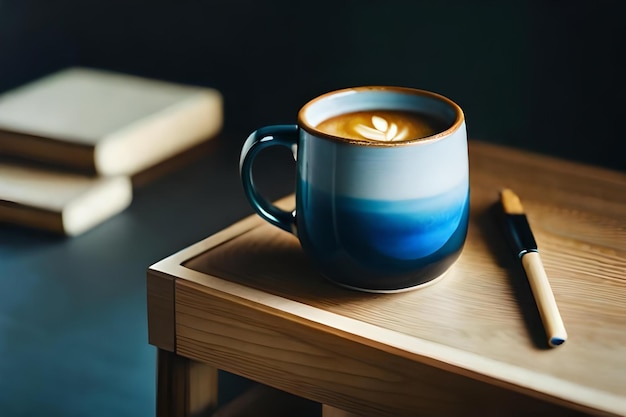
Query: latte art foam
{"type": "Point", "coordinates": [382, 125]}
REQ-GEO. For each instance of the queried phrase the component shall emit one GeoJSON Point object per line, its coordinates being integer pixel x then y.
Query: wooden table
{"type": "Point", "coordinates": [246, 301]}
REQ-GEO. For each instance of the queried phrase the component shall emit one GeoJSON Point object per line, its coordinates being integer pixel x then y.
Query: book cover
{"type": "Point", "coordinates": [104, 122]}
{"type": "Point", "coordinates": [58, 201]}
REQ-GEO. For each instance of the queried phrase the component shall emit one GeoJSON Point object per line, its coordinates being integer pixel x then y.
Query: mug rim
{"type": "Point", "coordinates": [458, 121]}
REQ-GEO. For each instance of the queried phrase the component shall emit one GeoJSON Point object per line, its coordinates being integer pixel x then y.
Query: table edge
{"type": "Point", "coordinates": [431, 353]}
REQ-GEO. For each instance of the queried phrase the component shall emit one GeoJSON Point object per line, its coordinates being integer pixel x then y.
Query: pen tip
{"type": "Point", "coordinates": [556, 341]}
{"type": "Point", "coordinates": [511, 202]}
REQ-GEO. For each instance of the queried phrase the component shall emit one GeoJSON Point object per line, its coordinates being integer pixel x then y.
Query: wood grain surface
{"type": "Point", "coordinates": [248, 301]}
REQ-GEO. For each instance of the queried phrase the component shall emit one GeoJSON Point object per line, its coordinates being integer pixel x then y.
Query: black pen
{"type": "Point", "coordinates": [523, 243]}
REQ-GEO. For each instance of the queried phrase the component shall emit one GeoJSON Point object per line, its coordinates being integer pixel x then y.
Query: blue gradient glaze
{"type": "Point", "coordinates": [383, 242]}
{"type": "Point", "coordinates": [374, 216]}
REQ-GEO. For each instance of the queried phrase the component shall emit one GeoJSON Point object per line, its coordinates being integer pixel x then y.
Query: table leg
{"type": "Point", "coordinates": [184, 387]}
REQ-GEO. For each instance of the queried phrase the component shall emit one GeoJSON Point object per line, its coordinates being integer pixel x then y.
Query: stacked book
{"type": "Point", "coordinates": [71, 141]}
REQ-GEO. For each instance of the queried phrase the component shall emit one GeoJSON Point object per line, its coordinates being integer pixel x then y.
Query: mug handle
{"type": "Point", "coordinates": [278, 135]}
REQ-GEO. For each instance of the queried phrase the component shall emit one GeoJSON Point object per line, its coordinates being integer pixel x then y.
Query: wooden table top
{"type": "Point", "coordinates": [480, 321]}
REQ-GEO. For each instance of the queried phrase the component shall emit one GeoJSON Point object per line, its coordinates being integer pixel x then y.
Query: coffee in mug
{"type": "Point", "coordinates": [382, 189]}
{"type": "Point", "coordinates": [382, 125]}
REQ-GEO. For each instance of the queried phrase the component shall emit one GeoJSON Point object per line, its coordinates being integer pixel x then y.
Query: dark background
{"type": "Point", "coordinates": [543, 75]}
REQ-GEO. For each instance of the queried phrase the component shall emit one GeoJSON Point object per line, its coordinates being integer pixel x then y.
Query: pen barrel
{"type": "Point", "coordinates": [544, 298]}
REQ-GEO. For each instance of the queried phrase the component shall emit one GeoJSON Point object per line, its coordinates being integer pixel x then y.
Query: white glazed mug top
{"type": "Point", "coordinates": [379, 98]}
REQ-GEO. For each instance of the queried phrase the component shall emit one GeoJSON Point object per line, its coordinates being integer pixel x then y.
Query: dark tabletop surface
{"type": "Point", "coordinates": [73, 310]}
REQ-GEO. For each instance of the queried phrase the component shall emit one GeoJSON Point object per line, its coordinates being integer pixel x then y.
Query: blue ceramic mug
{"type": "Point", "coordinates": [381, 205]}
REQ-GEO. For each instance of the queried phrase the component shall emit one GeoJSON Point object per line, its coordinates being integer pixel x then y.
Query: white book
{"type": "Point", "coordinates": [104, 122]}
{"type": "Point", "coordinates": [59, 201]}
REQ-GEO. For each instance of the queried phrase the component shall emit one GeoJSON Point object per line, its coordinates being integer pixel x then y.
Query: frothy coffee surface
{"type": "Point", "coordinates": [382, 125]}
